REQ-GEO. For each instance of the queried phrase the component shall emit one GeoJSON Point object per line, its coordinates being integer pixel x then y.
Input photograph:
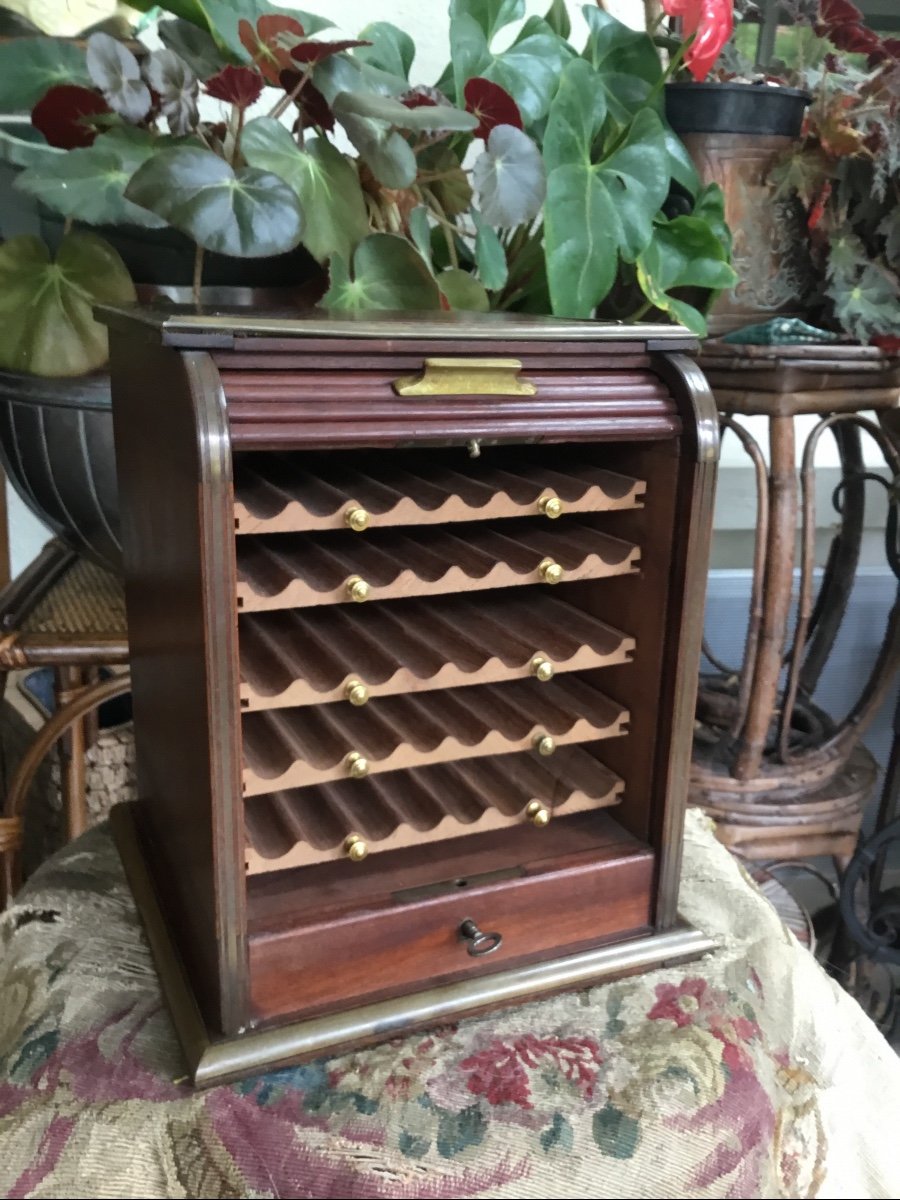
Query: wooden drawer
{"type": "Point", "coordinates": [331, 936]}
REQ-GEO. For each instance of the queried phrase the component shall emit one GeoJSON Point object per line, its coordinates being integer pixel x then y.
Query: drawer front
{"type": "Point", "coordinates": [414, 940]}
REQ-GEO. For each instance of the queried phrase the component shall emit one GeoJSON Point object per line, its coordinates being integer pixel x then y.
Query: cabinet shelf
{"type": "Point", "coordinates": [289, 494]}
{"type": "Point", "coordinates": [426, 804]}
{"type": "Point", "coordinates": [302, 570]}
{"type": "Point", "coordinates": [309, 656]}
{"type": "Point", "coordinates": [287, 748]}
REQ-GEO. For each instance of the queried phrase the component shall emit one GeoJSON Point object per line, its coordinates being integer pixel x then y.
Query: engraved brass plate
{"type": "Point", "coordinates": [466, 377]}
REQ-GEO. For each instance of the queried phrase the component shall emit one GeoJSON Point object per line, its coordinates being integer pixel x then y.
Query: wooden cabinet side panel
{"type": "Point", "coordinates": [174, 465]}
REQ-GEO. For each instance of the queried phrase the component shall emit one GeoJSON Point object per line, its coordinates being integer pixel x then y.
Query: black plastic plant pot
{"type": "Point", "coordinates": [748, 108]}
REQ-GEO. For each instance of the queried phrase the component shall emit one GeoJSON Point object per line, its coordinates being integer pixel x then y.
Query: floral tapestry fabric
{"type": "Point", "coordinates": [748, 1073]}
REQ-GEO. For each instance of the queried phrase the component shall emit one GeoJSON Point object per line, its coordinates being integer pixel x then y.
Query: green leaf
{"type": "Point", "coordinates": [29, 67]}
{"type": "Point", "coordinates": [684, 253]}
{"type": "Point", "coordinates": [626, 60]}
{"type": "Point", "coordinates": [681, 165]}
{"type": "Point", "coordinates": [420, 232]}
{"type": "Point", "coordinates": [463, 291]}
{"type": "Point", "coordinates": [46, 308]}
{"type": "Point", "coordinates": [246, 213]}
{"type": "Point", "coordinates": [490, 15]}
{"type": "Point", "coordinates": [385, 151]}
{"type": "Point", "coordinates": [597, 213]}
{"type": "Point", "coordinates": [510, 178]}
{"type": "Point", "coordinates": [490, 257]}
{"type": "Point", "coordinates": [392, 50]}
{"type": "Point", "coordinates": [29, 151]}
{"type": "Point", "coordinates": [557, 17]}
{"type": "Point", "coordinates": [529, 70]}
{"type": "Point", "coordinates": [710, 205]}
{"type": "Point", "coordinates": [576, 115]}
{"type": "Point", "coordinates": [393, 114]}
{"type": "Point", "coordinates": [871, 305]}
{"type": "Point", "coordinates": [452, 189]}
{"type": "Point", "coordinates": [331, 199]}
{"type": "Point", "coordinates": [616, 1133]}
{"type": "Point", "coordinates": [222, 18]}
{"type": "Point", "coordinates": [344, 73]}
{"type": "Point", "coordinates": [388, 273]}
{"type": "Point", "coordinates": [89, 184]}
{"type": "Point", "coordinates": [195, 46]}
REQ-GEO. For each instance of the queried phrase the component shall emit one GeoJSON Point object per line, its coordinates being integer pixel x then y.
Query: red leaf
{"type": "Point", "coordinates": [316, 52]}
{"type": "Point", "coordinates": [491, 105]}
{"type": "Point", "coordinates": [263, 43]}
{"type": "Point", "coordinates": [314, 108]}
{"type": "Point", "coordinates": [888, 342]}
{"type": "Point", "coordinates": [855, 39]}
{"type": "Point", "coordinates": [839, 12]}
{"type": "Point", "coordinates": [235, 85]}
{"type": "Point", "coordinates": [60, 115]}
{"type": "Point", "coordinates": [417, 99]}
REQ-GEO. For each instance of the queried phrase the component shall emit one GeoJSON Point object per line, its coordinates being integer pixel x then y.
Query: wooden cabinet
{"type": "Point", "coordinates": [414, 610]}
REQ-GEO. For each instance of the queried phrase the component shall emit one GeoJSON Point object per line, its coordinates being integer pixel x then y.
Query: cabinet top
{"type": "Point", "coordinates": [183, 325]}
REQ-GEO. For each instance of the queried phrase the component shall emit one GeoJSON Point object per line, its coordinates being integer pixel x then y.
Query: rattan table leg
{"type": "Point", "coordinates": [70, 683]}
{"type": "Point", "coordinates": [17, 795]}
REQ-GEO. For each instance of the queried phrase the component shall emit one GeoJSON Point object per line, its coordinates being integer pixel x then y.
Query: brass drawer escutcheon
{"type": "Point", "coordinates": [466, 377]}
{"type": "Point", "coordinates": [544, 744]}
{"type": "Point", "coordinates": [550, 506]}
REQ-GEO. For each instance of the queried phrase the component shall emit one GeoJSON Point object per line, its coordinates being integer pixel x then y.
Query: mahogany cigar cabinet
{"type": "Point", "coordinates": [414, 607]}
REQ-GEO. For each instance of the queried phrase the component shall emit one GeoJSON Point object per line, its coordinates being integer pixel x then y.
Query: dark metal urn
{"type": "Point", "coordinates": [56, 447]}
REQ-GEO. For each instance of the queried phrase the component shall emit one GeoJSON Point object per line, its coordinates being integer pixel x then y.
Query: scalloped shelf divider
{"type": "Point", "coordinates": [301, 570]}
{"type": "Point", "coordinates": [426, 804]}
{"type": "Point", "coordinates": [287, 748]}
{"type": "Point", "coordinates": [281, 494]}
{"type": "Point", "coordinates": [308, 656]}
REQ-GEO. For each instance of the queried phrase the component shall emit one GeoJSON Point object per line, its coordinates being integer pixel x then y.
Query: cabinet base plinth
{"type": "Point", "coordinates": [213, 1060]}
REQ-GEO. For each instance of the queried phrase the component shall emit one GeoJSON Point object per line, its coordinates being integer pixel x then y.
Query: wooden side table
{"type": "Point", "coordinates": [69, 614]}
{"type": "Point", "coordinates": [780, 777]}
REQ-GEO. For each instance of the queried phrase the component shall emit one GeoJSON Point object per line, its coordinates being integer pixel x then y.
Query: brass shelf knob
{"type": "Point", "coordinates": [550, 571]}
{"type": "Point", "coordinates": [541, 668]}
{"type": "Point", "coordinates": [356, 692]}
{"type": "Point", "coordinates": [550, 506]}
{"type": "Point", "coordinates": [544, 744]}
{"type": "Point", "coordinates": [355, 847]}
{"type": "Point", "coordinates": [357, 589]}
{"type": "Point", "coordinates": [538, 814]}
{"type": "Point", "coordinates": [356, 518]}
{"type": "Point", "coordinates": [357, 765]}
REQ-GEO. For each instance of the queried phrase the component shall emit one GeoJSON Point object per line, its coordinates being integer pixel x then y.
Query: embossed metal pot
{"type": "Point", "coordinates": [735, 133]}
{"type": "Point", "coordinates": [56, 436]}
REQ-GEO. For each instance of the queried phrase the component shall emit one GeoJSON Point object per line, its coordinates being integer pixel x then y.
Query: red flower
{"type": "Point", "coordinates": [710, 22]}
{"type": "Point", "coordinates": [491, 105]}
{"type": "Point", "coordinates": [817, 212]}
{"type": "Point", "coordinates": [316, 52]}
{"type": "Point", "coordinates": [235, 85]}
{"type": "Point", "coordinates": [264, 43]}
{"type": "Point", "coordinates": [60, 115]}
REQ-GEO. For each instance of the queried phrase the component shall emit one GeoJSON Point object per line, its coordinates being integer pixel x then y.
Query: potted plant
{"type": "Point", "coordinates": [845, 170]}
{"type": "Point", "coordinates": [540, 177]}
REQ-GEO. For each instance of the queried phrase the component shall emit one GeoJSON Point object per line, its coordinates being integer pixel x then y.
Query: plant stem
{"type": "Point", "coordinates": [446, 225]}
{"type": "Point", "coordinates": [239, 129]}
{"type": "Point", "coordinates": [198, 273]}
{"type": "Point", "coordinates": [282, 105]}
{"type": "Point", "coordinates": [67, 226]}
{"type": "Point", "coordinates": [640, 312]}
